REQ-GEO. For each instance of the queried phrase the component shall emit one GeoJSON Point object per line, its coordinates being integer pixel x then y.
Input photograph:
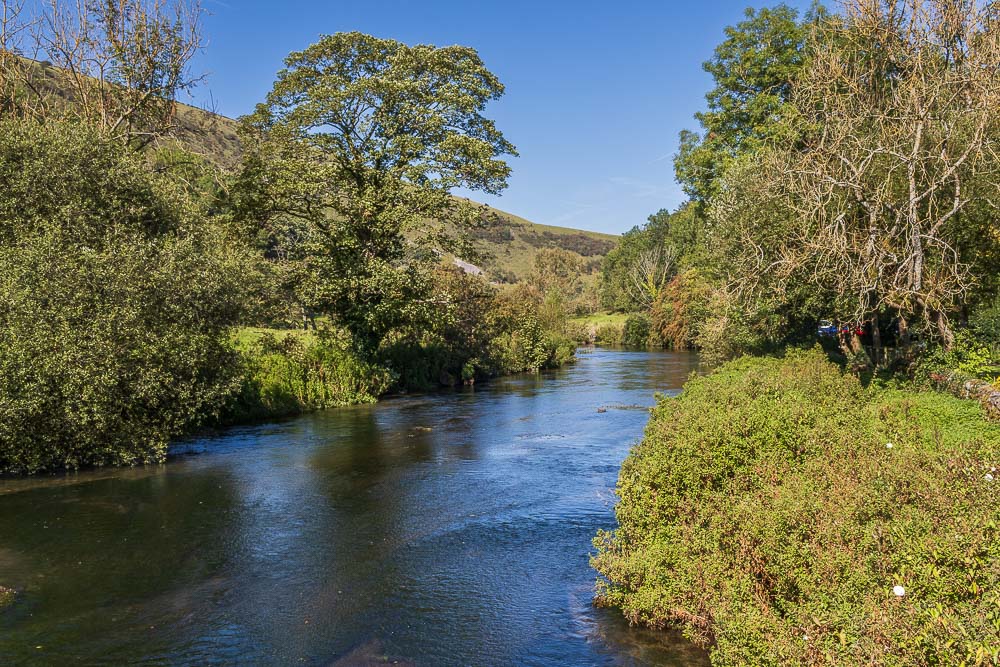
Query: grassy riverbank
{"type": "Point", "coordinates": [293, 371]}
{"type": "Point", "coordinates": [782, 513]}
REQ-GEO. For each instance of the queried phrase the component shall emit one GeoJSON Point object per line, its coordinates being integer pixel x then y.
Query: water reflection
{"type": "Point", "coordinates": [444, 529]}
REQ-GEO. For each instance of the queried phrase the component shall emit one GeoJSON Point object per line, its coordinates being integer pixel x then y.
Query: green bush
{"type": "Point", "coordinates": [582, 334]}
{"type": "Point", "coordinates": [609, 334]}
{"type": "Point", "coordinates": [636, 330]}
{"type": "Point", "coordinates": [7, 597]}
{"type": "Point", "coordinates": [117, 295]}
{"type": "Point", "coordinates": [300, 371]}
{"type": "Point", "coordinates": [972, 354]}
{"type": "Point", "coordinates": [766, 513]}
{"type": "Point", "coordinates": [477, 332]}
{"type": "Point", "coordinates": [519, 341]}
{"type": "Point", "coordinates": [561, 350]}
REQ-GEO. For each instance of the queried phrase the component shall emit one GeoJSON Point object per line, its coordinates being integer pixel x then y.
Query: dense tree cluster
{"type": "Point", "coordinates": [846, 170]}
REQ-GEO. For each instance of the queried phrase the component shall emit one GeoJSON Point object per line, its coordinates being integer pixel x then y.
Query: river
{"type": "Point", "coordinates": [445, 529]}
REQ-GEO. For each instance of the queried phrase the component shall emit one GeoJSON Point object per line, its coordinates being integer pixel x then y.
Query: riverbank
{"type": "Point", "coordinates": [811, 520]}
{"type": "Point", "coordinates": [292, 372]}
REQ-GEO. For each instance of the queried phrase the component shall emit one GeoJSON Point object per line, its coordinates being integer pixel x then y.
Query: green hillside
{"type": "Point", "coordinates": [510, 243]}
{"type": "Point", "coordinates": [201, 131]}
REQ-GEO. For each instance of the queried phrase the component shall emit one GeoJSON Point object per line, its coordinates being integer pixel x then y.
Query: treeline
{"type": "Point", "coordinates": [845, 170]}
{"type": "Point", "coordinates": [145, 291]}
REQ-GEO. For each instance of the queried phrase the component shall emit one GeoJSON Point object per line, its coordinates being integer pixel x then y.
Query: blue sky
{"type": "Point", "coordinates": [596, 91]}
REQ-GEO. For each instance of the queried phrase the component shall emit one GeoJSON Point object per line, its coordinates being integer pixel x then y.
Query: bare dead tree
{"type": "Point", "coordinates": [649, 273]}
{"type": "Point", "coordinates": [905, 96]}
{"type": "Point", "coordinates": [900, 130]}
{"type": "Point", "coordinates": [123, 63]}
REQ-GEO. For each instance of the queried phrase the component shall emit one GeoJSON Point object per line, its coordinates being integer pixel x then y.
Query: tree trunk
{"type": "Point", "coordinates": [944, 329]}
{"type": "Point", "coordinates": [850, 344]}
{"type": "Point", "coordinates": [904, 333]}
{"type": "Point", "coordinates": [876, 341]}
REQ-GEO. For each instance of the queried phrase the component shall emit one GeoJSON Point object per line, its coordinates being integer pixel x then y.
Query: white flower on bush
{"type": "Point", "coordinates": [989, 477]}
{"type": "Point", "coordinates": [888, 445]}
{"type": "Point", "coordinates": [898, 591]}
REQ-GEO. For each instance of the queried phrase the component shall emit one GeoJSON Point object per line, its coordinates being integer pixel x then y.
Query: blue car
{"type": "Point", "coordinates": [827, 328]}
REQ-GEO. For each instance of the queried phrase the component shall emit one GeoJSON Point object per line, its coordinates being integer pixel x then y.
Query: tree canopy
{"type": "Point", "coordinates": [753, 70]}
{"type": "Point", "coordinates": [362, 140]}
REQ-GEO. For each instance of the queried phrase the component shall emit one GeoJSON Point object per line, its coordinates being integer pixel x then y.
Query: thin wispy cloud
{"type": "Point", "coordinates": [639, 189]}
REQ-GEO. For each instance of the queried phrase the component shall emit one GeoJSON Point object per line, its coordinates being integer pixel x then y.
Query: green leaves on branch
{"type": "Point", "coordinates": [754, 70]}
{"type": "Point", "coordinates": [363, 140]}
{"type": "Point", "coordinates": [116, 295]}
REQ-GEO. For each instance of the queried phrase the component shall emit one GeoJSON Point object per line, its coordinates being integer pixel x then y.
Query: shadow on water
{"type": "Point", "coordinates": [443, 529]}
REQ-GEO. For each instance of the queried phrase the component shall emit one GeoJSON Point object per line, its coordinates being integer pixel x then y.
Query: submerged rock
{"type": "Point", "coordinates": [371, 654]}
{"type": "Point", "coordinates": [7, 596]}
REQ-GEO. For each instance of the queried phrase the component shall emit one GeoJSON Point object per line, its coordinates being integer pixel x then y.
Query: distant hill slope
{"type": "Point", "coordinates": [198, 130]}
{"type": "Point", "coordinates": [508, 243]}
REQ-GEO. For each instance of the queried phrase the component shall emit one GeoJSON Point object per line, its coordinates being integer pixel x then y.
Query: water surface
{"type": "Point", "coordinates": [444, 529]}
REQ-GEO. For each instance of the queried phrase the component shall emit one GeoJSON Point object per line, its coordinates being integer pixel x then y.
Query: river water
{"type": "Point", "coordinates": [444, 529]}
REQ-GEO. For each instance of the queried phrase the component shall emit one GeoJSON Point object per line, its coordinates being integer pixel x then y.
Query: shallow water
{"type": "Point", "coordinates": [443, 529]}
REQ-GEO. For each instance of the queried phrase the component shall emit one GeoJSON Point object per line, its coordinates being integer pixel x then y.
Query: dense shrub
{"type": "Point", "coordinates": [681, 308]}
{"type": "Point", "coordinates": [301, 371]}
{"type": "Point", "coordinates": [773, 507]}
{"type": "Point", "coordinates": [522, 344]}
{"type": "Point", "coordinates": [970, 354]}
{"type": "Point", "coordinates": [729, 331]}
{"type": "Point", "coordinates": [609, 334]}
{"type": "Point", "coordinates": [477, 332]}
{"type": "Point", "coordinates": [635, 332]}
{"type": "Point", "coordinates": [116, 294]}
{"type": "Point", "coordinates": [581, 333]}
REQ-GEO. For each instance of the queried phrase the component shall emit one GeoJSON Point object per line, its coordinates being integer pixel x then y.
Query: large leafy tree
{"type": "Point", "coordinates": [753, 71]}
{"type": "Point", "coordinates": [358, 147]}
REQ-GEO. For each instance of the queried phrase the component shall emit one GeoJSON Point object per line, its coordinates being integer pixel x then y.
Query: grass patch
{"type": "Point", "coordinates": [599, 328]}
{"type": "Point", "coordinates": [288, 372]}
